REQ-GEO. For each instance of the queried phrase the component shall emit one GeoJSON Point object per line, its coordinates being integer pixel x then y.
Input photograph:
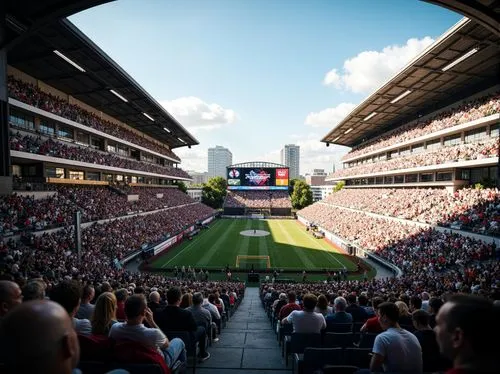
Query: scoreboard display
{"type": "Point", "coordinates": [257, 178]}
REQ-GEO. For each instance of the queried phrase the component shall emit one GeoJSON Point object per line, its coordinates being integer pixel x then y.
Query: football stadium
{"type": "Point", "coordinates": [109, 264]}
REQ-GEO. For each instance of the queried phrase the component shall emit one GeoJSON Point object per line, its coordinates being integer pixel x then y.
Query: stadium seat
{"type": "Point", "coordinates": [315, 358]}
{"type": "Point", "coordinates": [297, 342]}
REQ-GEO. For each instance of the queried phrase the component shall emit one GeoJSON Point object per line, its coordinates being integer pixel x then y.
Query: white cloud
{"type": "Point", "coordinates": [329, 117]}
{"type": "Point", "coordinates": [316, 155]}
{"type": "Point", "coordinates": [196, 114]}
{"type": "Point", "coordinates": [193, 159]}
{"type": "Point", "coordinates": [370, 69]}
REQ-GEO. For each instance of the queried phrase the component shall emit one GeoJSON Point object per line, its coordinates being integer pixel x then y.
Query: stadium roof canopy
{"type": "Point", "coordinates": [485, 12]}
{"type": "Point", "coordinates": [81, 69]}
{"type": "Point", "coordinates": [257, 164]}
{"type": "Point", "coordinates": [465, 60]}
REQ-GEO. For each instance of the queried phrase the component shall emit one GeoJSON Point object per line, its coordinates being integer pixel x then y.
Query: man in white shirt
{"type": "Point", "coordinates": [137, 311]}
{"type": "Point", "coordinates": [395, 350]}
{"type": "Point", "coordinates": [306, 321]}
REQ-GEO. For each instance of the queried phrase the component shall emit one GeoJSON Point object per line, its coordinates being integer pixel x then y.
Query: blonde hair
{"type": "Point", "coordinates": [186, 300]}
{"type": "Point", "coordinates": [104, 313]}
{"type": "Point", "coordinates": [403, 308]}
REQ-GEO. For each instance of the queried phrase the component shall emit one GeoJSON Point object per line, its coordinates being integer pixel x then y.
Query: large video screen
{"type": "Point", "coordinates": [257, 178]}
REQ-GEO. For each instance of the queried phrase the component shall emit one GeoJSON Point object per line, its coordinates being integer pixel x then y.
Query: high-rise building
{"type": "Point", "coordinates": [290, 156]}
{"type": "Point", "coordinates": [218, 159]}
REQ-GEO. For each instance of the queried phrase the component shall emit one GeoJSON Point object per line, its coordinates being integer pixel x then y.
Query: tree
{"type": "Point", "coordinates": [339, 186]}
{"type": "Point", "coordinates": [301, 195]}
{"type": "Point", "coordinates": [181, 186]}
{"type": "Point", "coordinates": [291, 186]}
{"type": "Point", "coordinates": [213, 192]}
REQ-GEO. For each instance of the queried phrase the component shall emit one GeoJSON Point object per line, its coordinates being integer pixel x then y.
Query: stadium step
{"type": "Point", "coordinates": [247, 345]}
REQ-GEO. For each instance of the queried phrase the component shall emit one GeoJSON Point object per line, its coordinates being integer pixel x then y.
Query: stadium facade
{"type": "Point", "coordinates": [434, 124]}
{"type": "Point", "coordinates": [76, 117]}
{"type": "Point", "coordinates": [424, 155]}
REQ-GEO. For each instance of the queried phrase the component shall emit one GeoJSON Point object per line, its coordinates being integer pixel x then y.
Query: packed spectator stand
{"type": "Point", "coordinates": [50, 260]}
{"type": "Point", "coordinates": [257, 199]}
{"type": "Point", "coordinates": [475, 109]}
{"type": "Point", "coordinates": [475, 209]}
{"type": "Point", "coordinates": [32, 95]}
{"type": "Point", "coordinates": [19, 212]}
{"type": "Point", "coordinates": [42, 145]}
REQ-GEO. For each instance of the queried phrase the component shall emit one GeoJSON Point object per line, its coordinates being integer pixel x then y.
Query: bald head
{"type": "Point", "coordinates": [39, 337]}
{"type": "Point", "coordinates": [10, 296]}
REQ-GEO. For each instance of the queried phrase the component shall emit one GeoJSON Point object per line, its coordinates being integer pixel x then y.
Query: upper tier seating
{"type": "Point", "coordinates": [466, 112]}
{"type": "Point", "coordinates": [60, 149]}
{"type": "Point", "coordinates": [32, 95]}
{"type": "Point", "coordinates": [485, 149]}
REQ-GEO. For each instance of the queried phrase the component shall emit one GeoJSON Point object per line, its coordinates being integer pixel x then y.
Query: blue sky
{"type": "Point", "coordinates": [253, 75]}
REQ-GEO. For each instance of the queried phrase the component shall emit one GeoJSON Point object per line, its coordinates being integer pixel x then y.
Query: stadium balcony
{"type": "Point", "coordinates": [473, 114]}
{"type": "Point", "coordinates": [26, 148]}
{"type": "Point", "coordinates": [451, 161]}
{"type": "Point", "coordinates": [35, 101]}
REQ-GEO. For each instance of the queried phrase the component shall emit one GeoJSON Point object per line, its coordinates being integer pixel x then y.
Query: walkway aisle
{"type": "Point", "coordinates": [247, 344]}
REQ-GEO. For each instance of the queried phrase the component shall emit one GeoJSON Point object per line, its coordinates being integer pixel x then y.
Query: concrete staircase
{"type": "Point", "coordinates": [247, 345]}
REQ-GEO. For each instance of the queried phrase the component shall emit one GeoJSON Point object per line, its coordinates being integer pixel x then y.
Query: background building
{"type": "Point", "coordinates": [317, 178]}
{"type": "Point", "coordinates": [321, 192]}
{"type": "Point", "coordinates": [198, 177]}
{"type": "Point", "coordinates": [290, 156]}
{"type": "Point", "coordinates": [218, 159]}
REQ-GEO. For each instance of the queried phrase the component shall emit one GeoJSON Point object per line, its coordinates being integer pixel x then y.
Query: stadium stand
{"type": "Point", "coordinates": [258, 199]}
{"type": "Point", "coordinates": [434, 263]}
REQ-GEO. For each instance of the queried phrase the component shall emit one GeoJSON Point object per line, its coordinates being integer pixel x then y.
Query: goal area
{"type": "Point", "coordinates": [246, 262]}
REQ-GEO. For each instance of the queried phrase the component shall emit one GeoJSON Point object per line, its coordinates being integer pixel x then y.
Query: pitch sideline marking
{"type": "Point", "coordinates": [329, 252]}
{"type": "Point", "coordinates": [188, 246]}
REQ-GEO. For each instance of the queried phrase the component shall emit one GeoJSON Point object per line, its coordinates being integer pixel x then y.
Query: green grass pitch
{"type": "Point", "coordinates": [289, 246]}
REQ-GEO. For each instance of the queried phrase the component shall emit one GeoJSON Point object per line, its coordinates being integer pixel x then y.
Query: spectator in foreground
{"type": "Point", "coordinates": [121, 297]}
{"type": "Point", "coordinates": [464, 325]}
{"type": "Point", "coordinates": [137, 312]}
{"type": "Point", "coordinates": [174, 318]}
{"type": "Point", "coordinates": [431, 357]}
{"type": "Point", "coordinates": [86, 308]}
{"type": "Point", "coordinates": [306, 321]}
{"type": "Point", "coordinates": [41, 339]}
{"type": "Point", "coordinates": [10, 296]}
{"type": "Point", "coordinates": [202, 317]}
{"type": "Point", "coordinates": [34, 290]}
{"type": "Point", "coordinates": [395, 350]}
{"type": "Point", "coordinates": [68, 294]}
{"type": "Point", "coordinates": [104, 315]}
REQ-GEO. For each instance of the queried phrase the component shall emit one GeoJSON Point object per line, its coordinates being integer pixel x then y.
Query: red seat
{"type": "Point", "coordinates": [135, 353]}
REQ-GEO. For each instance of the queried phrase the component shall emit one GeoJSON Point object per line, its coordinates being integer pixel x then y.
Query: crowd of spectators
{"type": "Point", "coordinates": [413, 249]}
{"type": "Point", "coordinates": [468, 208]}
{"type": "Point", "coordinates": [53, 254]}
{"type": "Point", "coordinates": [486, 148]}
{"type": "Point", "coordinates": [32, 95]}
{"type": "Point", "coordinates": [464, 113]}
{"type": "Point", "coordinates": [258, 199]}
{"type": "Point", "coordinates": [54, 148]}
{"type": "Point", "coordinates": [18, 213]}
